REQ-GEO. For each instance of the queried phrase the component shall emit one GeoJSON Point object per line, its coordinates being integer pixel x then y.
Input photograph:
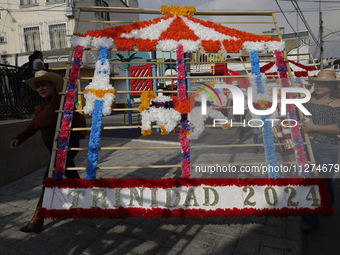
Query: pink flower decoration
{"type": "Point", "coordinates": [186, 169]}
{"type": "Point", "coordinates": [71, 93]}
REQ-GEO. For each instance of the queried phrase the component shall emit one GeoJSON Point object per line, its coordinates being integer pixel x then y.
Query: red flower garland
{"type": "Point", "coordinates": [266, 67]}
{"type": "Point", "coordinates": [146, 44]}
{"type": "Point", "coordinates": [211, 46]}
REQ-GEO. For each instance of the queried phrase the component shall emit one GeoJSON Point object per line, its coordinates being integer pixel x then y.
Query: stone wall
{"type": "Point", "coordinates": [24, 159]}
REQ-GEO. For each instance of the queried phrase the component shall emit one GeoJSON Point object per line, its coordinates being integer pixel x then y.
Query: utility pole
{"type": "Point", "coordinates": [321, 39]}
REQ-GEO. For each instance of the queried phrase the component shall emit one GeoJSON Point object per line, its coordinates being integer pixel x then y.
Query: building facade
{"type": "Point", "coordinates": [29, 25]}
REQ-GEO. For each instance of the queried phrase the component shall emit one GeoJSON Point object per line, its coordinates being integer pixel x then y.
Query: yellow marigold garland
{"type": "Point", "coordinates": [211, 83]}
{"type": "Point", "coordinates": [164, 132]}
{"type": "Point", "coordinates": [226, 126]}
{"type": "Point", "coordinates": [178, 10]}
{"type": "Point", "coordinates": [146, 132]}
{"type": "Point", "coordinates": [263, 104]}
{"type": "Point", "coordinates": [187, 132]}
{"type": "Point", "coordinates": [145, 100]}
{"type": "Point", "coordinates": [99, 92]}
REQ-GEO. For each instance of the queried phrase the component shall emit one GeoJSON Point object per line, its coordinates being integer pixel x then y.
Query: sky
{"type": "Point", "coordinates": [310, 9]}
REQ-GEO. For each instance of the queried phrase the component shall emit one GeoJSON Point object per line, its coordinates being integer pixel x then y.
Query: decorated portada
{"type": "Point", "coordinates": [179, 31]}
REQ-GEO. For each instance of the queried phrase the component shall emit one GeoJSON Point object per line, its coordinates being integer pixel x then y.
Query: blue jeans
{"type": "Point", "coordinates": [324, 154]}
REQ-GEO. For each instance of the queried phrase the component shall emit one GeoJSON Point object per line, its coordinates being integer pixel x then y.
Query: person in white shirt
{"type": "Point", "coordinates": [36, 61]}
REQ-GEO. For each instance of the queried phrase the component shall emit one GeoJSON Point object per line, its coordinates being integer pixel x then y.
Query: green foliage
{"type": "Point", "coordinates": [123, 59]}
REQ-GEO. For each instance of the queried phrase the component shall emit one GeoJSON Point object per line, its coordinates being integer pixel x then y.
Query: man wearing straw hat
{"type": "Point", "coordinates": [322, 129]}
{"type": "Point", "coordinates": [47, 84]}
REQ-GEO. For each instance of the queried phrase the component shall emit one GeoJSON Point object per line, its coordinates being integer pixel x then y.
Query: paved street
{"type": "Point", "coordinates": [243, 235]}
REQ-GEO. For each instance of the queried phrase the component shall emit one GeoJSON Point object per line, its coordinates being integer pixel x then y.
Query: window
{"type": "Point", "coordinates": [303, 41]}
{"type": "Point", "coordinates": [2, 37]}
{"type": "Point", "coordinates": [31, 36]}
{"type": "Point", "coordinates": [103, 15]}
{"type": "Point", "coordinates": [28, 2]}
{"type": "Point", "coordinates": [57, 36]}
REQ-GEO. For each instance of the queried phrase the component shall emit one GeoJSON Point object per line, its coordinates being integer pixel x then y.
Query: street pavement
{"type": "Point", "coordinates": [242, 235]}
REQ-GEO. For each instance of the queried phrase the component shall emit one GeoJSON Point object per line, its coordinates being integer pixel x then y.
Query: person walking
{"type": "Point", "coordinates": [47, 84]}
{"type": "Point", "coordinates": [322, 130]}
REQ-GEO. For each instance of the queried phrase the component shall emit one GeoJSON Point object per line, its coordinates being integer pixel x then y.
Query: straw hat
{"type": "Point", "coordinates": [42, 75]}
{"type": "Point", "coordinates": [325, 76]}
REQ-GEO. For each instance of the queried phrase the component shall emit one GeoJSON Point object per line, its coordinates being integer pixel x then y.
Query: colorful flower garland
{"type": "Point", "coordinates": [268, 137]}
{"type": "Point", "coordinates": [68, 114]}
{"type": "Point", "coordinates": [185, 127]}
{"type": "Point", "coordinates": [296, 134]}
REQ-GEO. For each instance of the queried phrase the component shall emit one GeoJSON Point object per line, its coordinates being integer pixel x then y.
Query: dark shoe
{"type": "Point", "coordinates": [307, 228]}
{"type": "Point", "coordinates": [36, 223]}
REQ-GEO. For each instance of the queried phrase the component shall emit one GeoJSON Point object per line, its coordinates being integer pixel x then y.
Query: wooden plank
{"type": "Point", "coordinates": [172, 166]}
{"type": "Point", "coordinates": [157, 11]}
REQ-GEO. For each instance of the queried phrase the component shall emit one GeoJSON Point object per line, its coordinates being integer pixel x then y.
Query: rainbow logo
{"type": "Point", "coordinates": [209, 93]}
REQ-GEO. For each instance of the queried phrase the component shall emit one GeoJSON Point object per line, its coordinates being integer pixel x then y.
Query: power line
{"type": "Point", "coordinates": [284, 15]}
{"type": "Point", "coordinates": [316, 1]}
{"type": "Point", "coordinates": [302, 17]}
{"type": "Point", "coordinates": [28, 10]}
{"type": "Point", "coordinates": [335, 32]}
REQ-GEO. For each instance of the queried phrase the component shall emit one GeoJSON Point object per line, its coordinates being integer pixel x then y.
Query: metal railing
{"type": "Point", "coordinates": [17, 99]}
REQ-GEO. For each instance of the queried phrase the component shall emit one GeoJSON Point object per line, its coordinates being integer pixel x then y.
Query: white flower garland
{"type": "Point", "coordinates": [167, 117]}
{"type": "Point", "coordinates": [100, 87]}
{"type": "Point", "coordinates": [82, 41]}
